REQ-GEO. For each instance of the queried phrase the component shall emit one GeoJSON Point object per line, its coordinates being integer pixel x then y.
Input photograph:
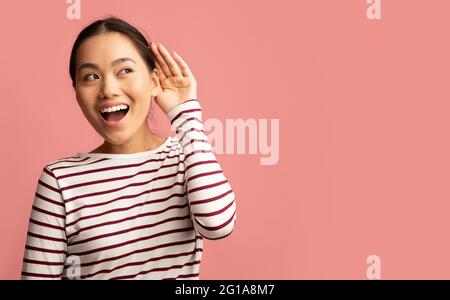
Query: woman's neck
{"type": "Point", "coordinates": [138, 143]}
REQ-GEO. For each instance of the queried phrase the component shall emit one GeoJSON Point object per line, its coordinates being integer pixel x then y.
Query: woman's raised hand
{"type": "Point", "coordinates": [176, 79]}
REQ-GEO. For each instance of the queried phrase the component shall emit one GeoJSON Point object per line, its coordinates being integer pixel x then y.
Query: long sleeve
{"type": "Point", "coordinates": [46, 247]}
{"type": "Point", "coordinates": [210, 196]}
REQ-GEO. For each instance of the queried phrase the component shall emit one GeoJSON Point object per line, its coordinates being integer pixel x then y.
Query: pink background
{"type": "Point", "coordinates": [363, 108]}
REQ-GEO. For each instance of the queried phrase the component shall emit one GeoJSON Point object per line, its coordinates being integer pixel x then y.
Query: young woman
{"type": "Point", "coordinates": [139, 205]}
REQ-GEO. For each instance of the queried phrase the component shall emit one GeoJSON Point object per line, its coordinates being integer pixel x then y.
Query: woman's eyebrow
{"type": "Point", "coordinates": [114, 62]}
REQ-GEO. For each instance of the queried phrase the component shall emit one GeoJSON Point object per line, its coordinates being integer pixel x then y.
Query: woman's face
{"type": "Point", "coordinates": [110, 71]}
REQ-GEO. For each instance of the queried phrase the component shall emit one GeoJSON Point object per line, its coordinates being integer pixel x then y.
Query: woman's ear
{"type": "Point", "coordinates": [155, 83]}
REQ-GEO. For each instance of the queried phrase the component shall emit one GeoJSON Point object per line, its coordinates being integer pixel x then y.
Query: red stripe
{"type": "Point", "coordinates": [111, 168]}
{"type": "Point", "coordinates": [47, 212]}
{"type": "Point", "coordinates": [132, 241]}
{"type": "Point", "coordinates": [45, 237]}
{"type": "Point", "coordinates": [115, 233]}
{"type": "Point", "coordinates": [150, 191]}
{"type": "Point", "coordinates": [196, 152]}
{"type": "Point", "coordinates": [66, 160]}
{"type": "Point", "coordinates": [45, 250]}
{"type": "Point", "coordinates": [156, 270]}
{"type": "Point", "coordinates": [204, 174]}
{"type": "Point", "coordinates": [123, 208]}
{"type": "Point", "coordinates": [118, 178]}
{"type": "Point", "coordinates": [78, 165]}
{"type": "Point", "coordinates": [205, 187]}
{"type": "Point", "coordinates": [192, 129]}
{"type": "Point", "coordinates": [41, 275]}
{"type": "Point", "coordinates": [188, 120]}
{"type": "Point", "coordinates": [49, 173]}
{"type": "Point", "coordinates": [210, 199]}
{"type": "Point", "coordinates": [49, 187]}
{"type": "Point", "coordinates": [187, 111]}
{"type": "Point", "coordinates": [191, 141]}
{"type": "Point", "coordinates": [46, 225]}
{"type": "Point", "coordinates": [215, 228]}
{"type": "Point", "coordinates": [126, 219]}
{"type": "Point", "coordinates": [46, 263]}
{"type": "Point", "coordinates": [214, 213]}
{"type": "Point", "coordinates": [49, 200]}
{"type": "Point", "coordinates": [137, 263]}
{"type": "Point", "coordinates": [205, 162]}
{"type": "Point", "coordinates": [220, 237]}
{"type": "Point", "coordinates": [123, 187]}
{"type": "Point", "coordinates": [148, 249]}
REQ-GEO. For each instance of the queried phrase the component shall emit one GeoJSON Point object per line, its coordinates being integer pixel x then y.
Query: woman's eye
{"type": "Point", "coordinates": [126, 69]}
{"type": "Point", "coordinates": [87, 76]}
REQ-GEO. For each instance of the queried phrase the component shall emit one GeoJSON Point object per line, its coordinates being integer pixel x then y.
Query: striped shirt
{"type": "Point", "coordinates": [131, 216]}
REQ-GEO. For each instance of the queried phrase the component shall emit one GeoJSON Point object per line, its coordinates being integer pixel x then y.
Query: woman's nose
{"type": "Point", "coordinates": [109, 87]}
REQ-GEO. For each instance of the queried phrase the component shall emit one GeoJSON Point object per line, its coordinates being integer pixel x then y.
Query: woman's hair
{"type": "Point", "coordinates": [112, 24]}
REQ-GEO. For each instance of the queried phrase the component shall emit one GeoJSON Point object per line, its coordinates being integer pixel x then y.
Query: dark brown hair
{"type": "Point", "coordinates": [112, 24]}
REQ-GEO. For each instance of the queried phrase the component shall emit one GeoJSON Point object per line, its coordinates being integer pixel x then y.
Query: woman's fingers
{"type": "Point", "coordinates": [169, 65]}
{"type": "Point", "coordinates": [160, 61]}
{"type": "Point", "coordinates": [167, 59]}
{"type": "Point", "coordinates": [183, 65]}
{"type": "Point", "coordinates": [162, 76]}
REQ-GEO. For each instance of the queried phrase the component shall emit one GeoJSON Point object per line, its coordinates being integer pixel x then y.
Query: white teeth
{"type": "Point", "coordinates": [114, 108]}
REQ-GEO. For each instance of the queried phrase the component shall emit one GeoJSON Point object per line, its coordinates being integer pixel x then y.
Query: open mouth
{"type": "Point", "coordinates": [115, 116]}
